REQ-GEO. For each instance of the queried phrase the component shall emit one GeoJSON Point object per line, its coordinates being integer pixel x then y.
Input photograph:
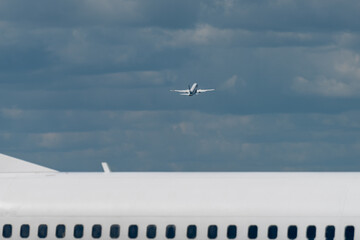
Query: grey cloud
{"type": "Point", "coordinates": [88, 81]}
{"type": "Point", "coordinates": [17, 59]}
{"type": "Point", "coordinates": [280, 15]}
{"type": "Point", "coordinates": [341, 80]}
{"type": "Point", "coordinates": [189, 141]}
{"type": "Point", "coordinates": [324, 86]}
{"type": "Point", "coordinates": [206, 35]}
{"type": "Point", "coordinates": [109, 12]}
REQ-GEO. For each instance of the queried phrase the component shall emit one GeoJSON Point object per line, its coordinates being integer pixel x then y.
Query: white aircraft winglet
{"type": "Point", "coordinates": [105, 167]}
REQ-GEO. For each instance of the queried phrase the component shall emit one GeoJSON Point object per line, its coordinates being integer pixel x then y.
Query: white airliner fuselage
{"type": "Point", "coordinates": [193, 90]}
{"type": "Point", "coordinates": [179, 205]}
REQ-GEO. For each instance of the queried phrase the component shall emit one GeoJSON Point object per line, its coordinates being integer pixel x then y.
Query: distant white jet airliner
{"type": "Point", "coordinates": [193, 90]}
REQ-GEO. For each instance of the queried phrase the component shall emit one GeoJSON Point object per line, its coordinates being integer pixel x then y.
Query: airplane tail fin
{"type": "Point", "coordinates": [13, 165]}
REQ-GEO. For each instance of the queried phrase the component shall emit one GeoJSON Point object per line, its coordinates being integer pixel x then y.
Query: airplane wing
{"type": "Point", "coordinates": [204, 90]}
{"type": "Point", "coordinates": [180, 91]}
{"type": "Point", "coordinates": [13, 165]}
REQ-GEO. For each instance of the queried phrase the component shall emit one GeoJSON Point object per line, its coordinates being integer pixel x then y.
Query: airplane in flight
{"type": "Point", "coordinates": [41, 203]}
{"type": "Point", "coordinates": [193, 90]}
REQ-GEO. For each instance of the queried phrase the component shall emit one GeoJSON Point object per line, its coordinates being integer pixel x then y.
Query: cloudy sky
{"type": "Point", "coordinates": [83, 82]}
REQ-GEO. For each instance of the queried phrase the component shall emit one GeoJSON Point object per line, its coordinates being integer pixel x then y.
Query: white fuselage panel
{"type": "Point", "coordinates": [181, 199]}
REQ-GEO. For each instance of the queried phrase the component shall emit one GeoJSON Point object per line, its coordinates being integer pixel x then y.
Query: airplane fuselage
{"type": "Point", "coordinates": [180, 205]}
{"type": "Point", "coordinates": [193, 89]}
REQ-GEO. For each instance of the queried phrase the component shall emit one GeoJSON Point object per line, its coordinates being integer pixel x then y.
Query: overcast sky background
{"type": "Point", "coordinates": [83, 82]}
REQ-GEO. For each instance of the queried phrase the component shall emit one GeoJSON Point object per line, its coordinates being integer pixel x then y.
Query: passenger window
{"type": "Point", "coordinates": [78, 231]}
{"type": "Point", "coordinates": [151, 231]}
{"type": "Point", "coordinates": [252, 232]}
{"type": "Point", "coordinates": [115, 231]}
{"type": "Point", "coordinates": [292, 232]}
{"type": "Point", "coordinates": [272, 232]}
{"type": "Point", "coordinates": [330, 233]}
{"type": "Point", "coordinates": [133, 231]}
{"type": "Point", "coordinates": [7, 231]}
{"type": "Point", "coordinates": [42, 231]}
{"type": "Point", "coordinates": [349, 233]}
{"type": "Point", "coordinates": [24, 231]}
{"type": "Point", "coordinates": [212, 231]}
{"type": "Point", "coordinates": [96, 231]}
{"type": "Point", "coordinates": [170, 231]}
{"type": "Point", "coordinates": [311, 232]}
{"type": "Point", "coordinates": [231, 232]}
{"type": "Point", "coordinates": [191, 232]}
{"type": "Point", "coordinates": [60, 231]}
